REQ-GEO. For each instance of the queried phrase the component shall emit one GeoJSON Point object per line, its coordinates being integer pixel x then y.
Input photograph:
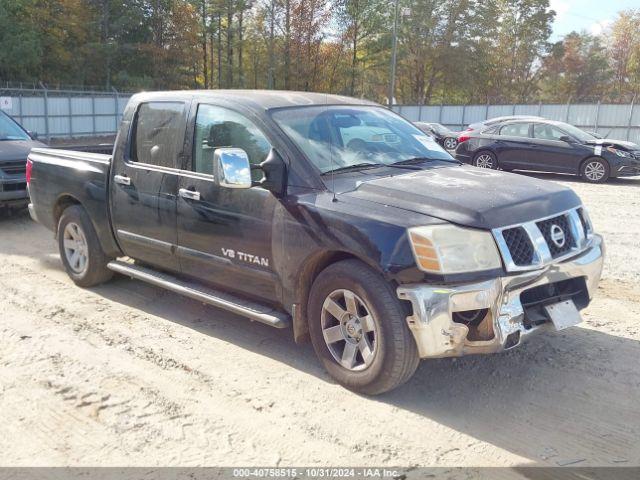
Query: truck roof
{"type": "Point", "coordinates": [256, 99]}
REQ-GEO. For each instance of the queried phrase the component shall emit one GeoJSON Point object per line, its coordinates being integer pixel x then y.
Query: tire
{"type": "Point", "coordinates": [77, 235]}
{"type": "Point", "coordinates": [595, 170]}
{"type": "Point", "coordinates": [485, 159]}
{"type": "Point", "coordinates": [394, 355]}
{"type": "Point", "coordinates": [450, 143]}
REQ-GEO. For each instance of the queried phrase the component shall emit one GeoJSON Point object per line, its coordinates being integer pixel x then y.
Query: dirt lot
{"type": "Point", "coordinates": [128, 374]}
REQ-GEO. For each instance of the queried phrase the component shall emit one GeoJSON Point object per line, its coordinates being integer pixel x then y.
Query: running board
{"type": "Point", "coordinates": [246, 308]}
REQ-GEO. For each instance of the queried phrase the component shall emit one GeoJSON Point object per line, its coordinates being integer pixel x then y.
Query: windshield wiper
{"type": "Point", "coordinates": [415, 160]}
{"type": "Point", "coordinates": [357, 166]}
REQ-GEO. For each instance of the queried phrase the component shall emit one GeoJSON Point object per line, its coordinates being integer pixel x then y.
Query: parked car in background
{"type": "Point", "coordinates": [382, 253]}
{"type": "Point", "coordinates": [15, 145]}
{"type": "Point", "coordinates": [445, 137]}
{"type": "Point", "coordinates": [362, 136]}
{"type": "Point", "coordinates": [480, 126]}
{"type": "Point", "coordinates": [549, 146]}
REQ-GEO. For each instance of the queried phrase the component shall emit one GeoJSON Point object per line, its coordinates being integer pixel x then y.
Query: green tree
{"type": "Point", "coordinates": [20, 42]}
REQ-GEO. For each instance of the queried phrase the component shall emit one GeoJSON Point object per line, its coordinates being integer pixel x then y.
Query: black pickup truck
{"type": "Point", "coordinates": [326, 214]}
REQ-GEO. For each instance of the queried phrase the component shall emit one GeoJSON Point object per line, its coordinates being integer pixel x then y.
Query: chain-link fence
{"type": "Point", "coordinates": [64, 113]}
{"type": "Point", "coordinates": [81, 113]}
{"type": "Point", "coordinates": [617, 121]}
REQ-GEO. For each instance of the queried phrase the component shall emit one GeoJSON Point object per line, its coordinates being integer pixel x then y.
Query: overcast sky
{"type": "Point", "coordinates": [589, 15]}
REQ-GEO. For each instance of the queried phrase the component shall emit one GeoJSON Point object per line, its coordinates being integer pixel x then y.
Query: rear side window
{"type": "Point", "coordinates": [515, 130]}
{"type": "Point", "coordinates": [158, 133]}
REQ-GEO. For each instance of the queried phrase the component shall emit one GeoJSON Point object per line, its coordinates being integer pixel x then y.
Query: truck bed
{"type": "Point", "coordinates": [63, 177]}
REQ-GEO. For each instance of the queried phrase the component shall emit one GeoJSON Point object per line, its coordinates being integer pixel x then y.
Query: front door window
{"type": "Point", "coordinates": [218, 127]}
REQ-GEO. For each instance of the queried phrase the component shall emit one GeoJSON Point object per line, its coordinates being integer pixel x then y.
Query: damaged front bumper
{"type": "Point", "coordinates": [511, 308]}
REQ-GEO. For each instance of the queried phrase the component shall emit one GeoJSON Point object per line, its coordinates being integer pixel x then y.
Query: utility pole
{"type": "Point", "coordinates": [272, 22]}
{"type": "Point", "coordinates": [394, 54]}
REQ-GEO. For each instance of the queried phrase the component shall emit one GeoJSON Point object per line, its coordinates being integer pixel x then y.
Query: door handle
{"type": "Point", "coordinates": [190, 194]}
{"type": "Point", "coordinates": [122, 179]}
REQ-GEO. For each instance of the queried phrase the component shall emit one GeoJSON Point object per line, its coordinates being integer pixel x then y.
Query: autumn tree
{"type": "Point", "coordinates": [624, 49]}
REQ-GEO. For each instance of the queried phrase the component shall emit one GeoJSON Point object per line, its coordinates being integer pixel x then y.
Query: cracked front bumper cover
{"type": "Point", "coordinates": [437, 335]}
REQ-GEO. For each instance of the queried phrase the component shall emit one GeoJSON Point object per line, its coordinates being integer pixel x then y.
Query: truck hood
{"type": "Point", "coordinates": [468, 196]}
{"type": "Point", "coordinates": [12, 150]}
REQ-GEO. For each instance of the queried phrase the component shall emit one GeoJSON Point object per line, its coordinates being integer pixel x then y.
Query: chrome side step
{"type": "Point", "coordinates": [226, 301]}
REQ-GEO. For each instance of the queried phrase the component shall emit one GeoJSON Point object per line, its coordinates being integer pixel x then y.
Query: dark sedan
{"type": "Point", "coordinates": [445, 137]}
{"type": "Point", "coordinates": [548, 146]}
{"type": "Point", "coordinates": [15, 145]}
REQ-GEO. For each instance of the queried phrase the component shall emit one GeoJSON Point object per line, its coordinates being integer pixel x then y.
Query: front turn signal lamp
{"type": "Point", "coordinates": [447, 249]}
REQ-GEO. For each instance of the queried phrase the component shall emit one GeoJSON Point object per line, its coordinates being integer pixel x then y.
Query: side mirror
{"type": "Point", "coordinates": [275, 174]}
{"type": "Point", "coordinates": [231, 168]}
{"type": "Point", "coordinates": [33, 135]}
{"type": "Point", "coordinates": [566, 138]}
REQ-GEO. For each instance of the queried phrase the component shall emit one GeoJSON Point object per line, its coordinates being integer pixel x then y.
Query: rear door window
{"type": "Point", "coordinates": [158, 133]}
{"type": "Point", "coordinates": [515, 130]}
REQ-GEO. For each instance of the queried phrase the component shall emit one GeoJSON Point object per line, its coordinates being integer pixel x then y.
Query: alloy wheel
{"type": "Point", "coordinates": [450, 143]}
{"type": "Point", "coordinates": [484, 161]}
{"type": "Point", "coordinates": [594, 171]}
{"type": "Point", "coordinates": [76, 249]}
{"type": "Point", "coordinates": [349, 330]}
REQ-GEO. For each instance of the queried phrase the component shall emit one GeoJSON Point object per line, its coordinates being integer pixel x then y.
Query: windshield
{"type": "Point", "coordinates": [441, 129]}
{"type": "Point", "coordinates": [335, 137]}
{"type": "Point", "coordinates": [575, 132]}
{"type": "Point", "coordinates": [10, 130]}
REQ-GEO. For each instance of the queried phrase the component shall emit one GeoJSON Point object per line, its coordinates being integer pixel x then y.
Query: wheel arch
{"type": "Point", "coordinates": [63, 202]}
{"type": "Point", "coordinates": [482, 150]}
{"type": "Point", "coordinates": [105, 236]}
{"type": "Point", "coordinates": [592, 157]}
{"type": "Point", "coordinates": [310, 270]}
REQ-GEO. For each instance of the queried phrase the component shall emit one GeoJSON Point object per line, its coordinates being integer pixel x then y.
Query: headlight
{"type": "Point", "coordinates": [449, 249]}
{"type": "Point", "coordinates": [620, 153]}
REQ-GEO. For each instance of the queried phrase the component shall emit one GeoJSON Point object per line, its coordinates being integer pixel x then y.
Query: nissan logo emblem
{"type": "Point", "coordinates": [557, 236]}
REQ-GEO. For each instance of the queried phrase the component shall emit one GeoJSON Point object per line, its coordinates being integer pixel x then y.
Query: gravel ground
{"type": "Point", "coordinates": [129, 374]}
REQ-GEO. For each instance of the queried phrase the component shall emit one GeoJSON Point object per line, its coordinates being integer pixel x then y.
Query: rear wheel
{"type": "Point", "coordinates": [450, 143]}
{"type": "Point", "coordinates": [485, 159]}
{"type": "Point", "coordinates": [595, 170]}
{"type": "Point", "coordinates": [80, 251]}
{"type": "Point", "coordinates": [359, 330]}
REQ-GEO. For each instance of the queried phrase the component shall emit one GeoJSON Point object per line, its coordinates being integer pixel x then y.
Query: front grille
{"type": "Point", "coordinates": [13, 187]}
{"type": "Point", "coordinates": [14, 168]}
{"type": "Point", "coordinates": [538, 243]}
{"type": "Point", "coordinates": [519, 245]}
{"type": "Point", "coordinates": [557, 233]}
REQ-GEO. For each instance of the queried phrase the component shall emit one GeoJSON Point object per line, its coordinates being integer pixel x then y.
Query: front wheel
{"type": "Point", "coordinates": [595, 170]}
{"type": "Point", "coordinates": [80, 250]}
{"type": "Point", "coordinates": [485, 160]}
{"type": "Point", "coordinates": [359, 330]}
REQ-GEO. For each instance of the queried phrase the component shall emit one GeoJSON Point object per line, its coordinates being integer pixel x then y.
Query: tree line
{"type": "Point", "coordinates": [450, 51]}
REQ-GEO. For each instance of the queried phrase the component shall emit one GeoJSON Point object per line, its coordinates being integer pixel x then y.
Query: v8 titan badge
{"type": "Point", "coordinates": [245, 257]}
